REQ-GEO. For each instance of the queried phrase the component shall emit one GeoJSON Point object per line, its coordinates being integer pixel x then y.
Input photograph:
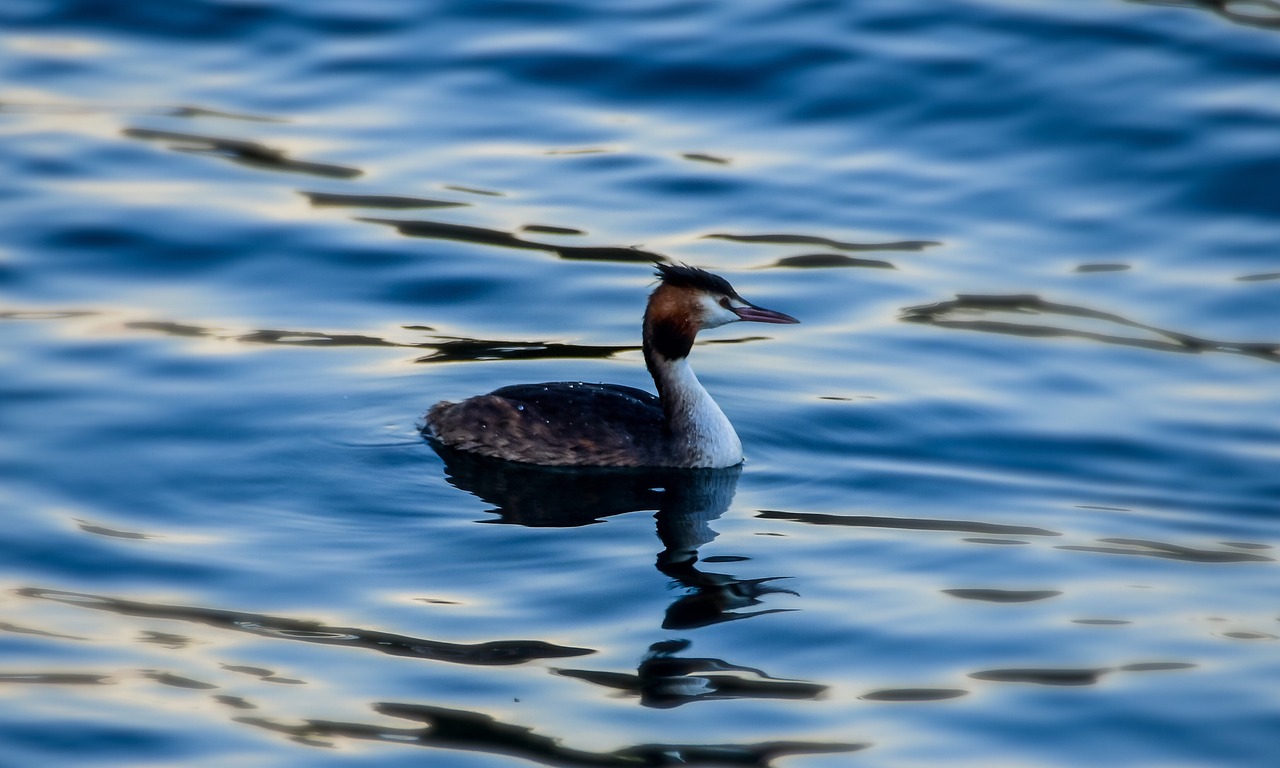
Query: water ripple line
{"type": "Point", "coordinates": [492, 653]}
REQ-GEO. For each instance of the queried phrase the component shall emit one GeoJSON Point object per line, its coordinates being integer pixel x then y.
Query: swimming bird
{"type": "Point", "coordinates": [577, 424]}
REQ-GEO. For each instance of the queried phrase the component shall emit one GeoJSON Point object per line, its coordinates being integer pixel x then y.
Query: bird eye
{"type": "Point", "coordinates": [724, 301]}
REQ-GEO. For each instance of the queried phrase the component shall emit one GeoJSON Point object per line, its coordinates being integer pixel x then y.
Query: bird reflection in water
{"type": "Point", "coordinates": [686, 502]}
{"type": "Point", "coordinates": [665, 680]}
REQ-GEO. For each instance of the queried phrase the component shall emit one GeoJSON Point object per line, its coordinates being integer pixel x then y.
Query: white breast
{"type": "Point", "coordinates": [710, 439]}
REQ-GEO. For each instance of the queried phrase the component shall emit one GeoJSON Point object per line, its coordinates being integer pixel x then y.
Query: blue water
{"type": "Point", "coordinates": [1012, 486]}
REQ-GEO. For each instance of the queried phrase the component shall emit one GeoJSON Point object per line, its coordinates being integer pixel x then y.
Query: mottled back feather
{"type": "Point", "coordinates": [557, 424]}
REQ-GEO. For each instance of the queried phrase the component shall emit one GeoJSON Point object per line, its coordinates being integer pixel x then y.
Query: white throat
{"type": "Point", "coordinates": [700, 429]}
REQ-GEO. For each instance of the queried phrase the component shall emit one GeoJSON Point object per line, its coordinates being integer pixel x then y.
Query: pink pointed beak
{"type": "Point", "coordinates": [761, 315]}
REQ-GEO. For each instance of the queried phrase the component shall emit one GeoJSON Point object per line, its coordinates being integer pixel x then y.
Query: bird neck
{"type": "Point", "coordinates": [699, 431]}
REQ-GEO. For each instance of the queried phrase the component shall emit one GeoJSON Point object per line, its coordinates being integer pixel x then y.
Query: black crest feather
{"type": "Point", "coordinates": [685, 276]}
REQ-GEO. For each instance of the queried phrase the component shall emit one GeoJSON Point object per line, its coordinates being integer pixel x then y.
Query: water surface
{"type": "Point", "coordinates": [1011, 487]}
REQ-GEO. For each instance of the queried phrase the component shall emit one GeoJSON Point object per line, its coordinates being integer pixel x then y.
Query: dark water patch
{"type": "Point", "coordinates": [20, 630]}
{"type": "Point", "coordinates": [914, 694]}
{"type": "Point", "coordinates": [166, 640]}
{"type": "Point", "coordinates": [672, 682]}
{"type": "Point", "coordinates": [1043, 676]}
{"type": "Point", "coordinates": [670, 689]}
{"type": "Point", "coordinates": [1074, 676]}
{"type": "Point", "coordinates": [1103, 509]}
{"type": "Point", "coordinates": [247, 670]}
{"type": "Point", "coordinates": [949, 314]}
{"type": "Point", "coordinates": [473, 190]}
{"type": "Point", "coordinates": [785, 239]}
{"type": "Point", "coordinates": [235, 702]}
{"type": "Point", "coordinates": [1169, 551]}
{"type": "Point", "coordinates": [1246, 635]}
{"type": "Point", "coordinates": [465, 233]}
{"type": "Point", "coordinates": [190, 26]}
{"type": "Point", "coordinates": [314, 339]}
{"type": "Point", "coordinates": [998, 542]}
{"type": "Point", "coordinates": [55, 678]}
{"type": "Point", "coordinates": [1259, 277]}
{"type": "Point", "coordinates": [1003, 595]}
{"type": "Point", "coordinates": [174, 329]}
{"type": "Point", "coordinates": [121, 237]}
{"type": "Point", "coordinates": [177, 681]}
{"type": "Point", "coordinates": [197, 111]}
{"type": "Point", "coordinates": [102, 530]}
{"type": "Point", "coordinates": [456, 349]}
{"type": "Point", "coordinates": [1157, 666]}
{"type": "Point", "coordinates": [829, 260]}
{"type": "Point", "coordinates": [265, 675]}
{"type": "Point", "coordinates": [702, 157]}
{"type": "Point", "coordinates": [904, 523]}
{"type": "Point", "coordinates": [337, 199]}
{"type": "Point", "coordinates": [1245, 545]}
{"type": "Point", "coordinates": [1094, 268]}
{"type": "Point", "coordinates": [1101, 622]}
{"type": "Point", "coordinates": [548, 229]}
{"type": "Point", "coordinates": [493, 653]}
{"type": "Point", "coordinates": [249, 153]}
{"type": "Point", "coordinates": [1263, 14]}
{"type": "Point", "coordinates": [477, 732]}
{"type": "Point", "coordinates": [623, 254]}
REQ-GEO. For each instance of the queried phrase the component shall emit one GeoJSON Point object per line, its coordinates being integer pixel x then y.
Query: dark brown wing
{"type": "Point", "coordinates": [557, 424]}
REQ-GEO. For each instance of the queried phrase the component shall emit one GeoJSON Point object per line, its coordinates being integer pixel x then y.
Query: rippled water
{"type": "Point", "coordinates": [1011, 487]}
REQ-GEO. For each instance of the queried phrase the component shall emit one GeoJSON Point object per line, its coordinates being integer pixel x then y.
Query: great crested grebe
{"type": "Point", "coordinates": [609, 425]}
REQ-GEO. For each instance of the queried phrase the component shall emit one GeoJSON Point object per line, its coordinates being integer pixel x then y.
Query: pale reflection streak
{"type": "Point", "coordinates": [1025, 315]}
{"type": "Point", "coordinates": [492, 653]}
